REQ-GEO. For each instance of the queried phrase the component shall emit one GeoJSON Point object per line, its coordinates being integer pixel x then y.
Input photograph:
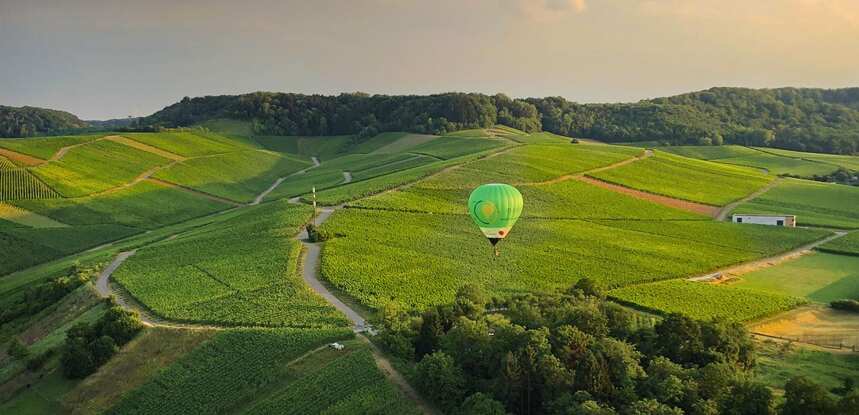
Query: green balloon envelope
{"type": "Point", "coordinates": [495, 208]}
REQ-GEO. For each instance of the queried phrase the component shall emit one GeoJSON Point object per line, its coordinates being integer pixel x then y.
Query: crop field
{"type": "Point", "coordinates": [813, 203]}
{"type": "Point", "coordinates": [531, 163]}
{"type": "Point", "coordinates": [248, 174]}
{"type": "Point", "coordinates": [17, 184]}
{"type": "Point", "coordinates": [782, 165]}
{"type": "Point", "coordinates": [399, 143]}
{"type": "Point", "coordinates": [45, 147]}
{"type": "Point", "coordinates": [222, 373]}
{"type": "Point", "coordinates": [242, 271]}
{"type": "Point", "coordinates": [688, 179]}
{"type": "Point", "coordinates": [421, 259]}
{"type": "Point", "coordinates": [710, 152]}
{"type": "Point", "coordinates": [26, 218]}
{"type": "Point", "coordinates": [845, 245]}
{"type": "Point", "coordinates": [228, 127]}
{"type": "Point", "coordinates": [24, 247]}
{"type": "Point", "coordinates": [819, 277]}
{"type": "Point", "coordinates": [347, 383]}
{"type": "Point", "coordinates": [848, 162]}
{"type": "Point", "coordinates": [145, 205]}
{"type": "Point", "coordinates": [6, 164]}
{"type": "Point", "coordinates": [324, 147]}
{"type": "Point", "coordinates": [451, 147]}
{"type": "Point", "coordinates": [704, 301]}
{"type": "Point", "coordinates": [569, 199]}
{"type": "Point", "coordinates": [188, 143]}
{"type": "Point", "coordinates": [96, 167]}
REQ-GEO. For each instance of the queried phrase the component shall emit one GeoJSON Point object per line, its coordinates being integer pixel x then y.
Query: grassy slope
{"type": "Point", "coordinates": [816, 204]}
{"type": "Point", "coordinates": [777, 363]}
{"type": "Point", "coordinates": [819, 277]}
{"type": "Point", "coordinates": [324, 147]}
{"type": "Point", "coordinates": [847, 245]}
{"type": "Point", "coordinates": [45, 147]}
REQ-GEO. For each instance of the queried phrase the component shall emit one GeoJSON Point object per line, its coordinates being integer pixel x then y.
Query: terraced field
{"type": "Point", "coordinates": [239, 272]}
{"type": "Point", "coordinates": [813, 203]}
{"type": "Point", "coordinates": [687, 179]}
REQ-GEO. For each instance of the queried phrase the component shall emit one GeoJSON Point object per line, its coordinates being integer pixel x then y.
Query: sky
{"type": "Point", "coordinates": [104, 59]}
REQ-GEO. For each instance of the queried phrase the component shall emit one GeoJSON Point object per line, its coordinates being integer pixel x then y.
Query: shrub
{"type": "Point", "coordinates": [846, 305]}
{"type": "Point", "coordinates": [17, 349]}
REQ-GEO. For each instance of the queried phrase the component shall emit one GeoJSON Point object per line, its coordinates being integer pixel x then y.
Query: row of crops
{"type": "Point", "coordinates": [813, 203]}
{"type": "Point", "coordinates": [17, 184]}
{"type": "Point", "coordinates": [350, 384]}
{"type": "Point", "coordinates": [704, 301]}
{"type": "Point", "coordinates": [225, 372]}
{"type": "Point", "coordinates": [846, 245]}
{"type": "Point", "coordinates": [238, 272]}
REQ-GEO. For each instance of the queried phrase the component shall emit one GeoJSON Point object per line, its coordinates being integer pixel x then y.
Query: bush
{"type": "Point", "coordinates": [314, 234]}
{"type": "Point", "coordinates": [846, 305]}
{"type": "Point", "coordinates": [89, 346]}
{"type": "Point", "coordinates": [17, 349]}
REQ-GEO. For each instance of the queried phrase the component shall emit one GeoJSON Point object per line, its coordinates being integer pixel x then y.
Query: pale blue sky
{"type": "Point", "coordinates": [104, 59]}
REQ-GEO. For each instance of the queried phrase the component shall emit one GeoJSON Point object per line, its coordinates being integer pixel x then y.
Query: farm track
{"type": "Point", "coordinates": [647, 154]}
{"type": "Point", "coordinates": [722, 215]}
{"type": "Point", "coordinates": [280, 180]}
{"type": "Point", "coordinates": [347, 177]}
{"type": "Point", "coordinates": [671, 202]}
{"type": "Point", "coordinates": [63, 150]}
{"type": "Point", "coordinates": [746, 267]}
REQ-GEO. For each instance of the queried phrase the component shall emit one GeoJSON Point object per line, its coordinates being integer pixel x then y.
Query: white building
{"type": "Point", "coordinates": [773, 220]}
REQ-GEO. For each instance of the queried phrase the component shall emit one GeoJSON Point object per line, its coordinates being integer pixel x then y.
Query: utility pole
{"type": "Point", "coordinates": [314, 204]}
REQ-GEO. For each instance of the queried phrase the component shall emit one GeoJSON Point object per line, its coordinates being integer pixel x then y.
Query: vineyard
{"type": "Point", "coordinates": [96, 167]}
{"type": "Point", "coordinates": [349, 384]}
{"type": "Point", "coordinates": [377, 256]}
{"type": "Point", "coordinates": [6, 164]}
{"type": "Point", "coordinates": [759, 158]}
{"type": "Point", "coordinates": [704, 301]}
{"type": "Point", "coordinates": [450, 147]}
{"type": "Point", "coordinates": [17, 184]}
{"type": "Point", "coordinates": [145, 205]}
{"type": "Point", "coordinates": [239, 272]}
{"type": "Point", "coordinates": [687, 179]}
{"type": "Point", "coordinates": [324, 147]}
{"type": "Point", "coordinates": [188, 143]}
{"type": "Point", "coordinates": [249, 173]}
{"type": "Point", "coordinates": [813, 203]}
{"type": "Point", "coordinates": [224, 372]}
{"type": "Point", "coordinates": [847, 245]}
{"type": "Point", "coordinates": [45, 147]}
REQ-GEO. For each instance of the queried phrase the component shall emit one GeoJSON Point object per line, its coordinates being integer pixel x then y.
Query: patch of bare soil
{"type": "Point", "coordinates": [814, 324]}
{"type": "Point", "coordinates": [699, 208]}
{"type": "Point", "coordinates": [20, 158]}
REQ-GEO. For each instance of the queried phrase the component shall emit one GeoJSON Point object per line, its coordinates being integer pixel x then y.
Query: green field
{"type": "Point", "coordinates": [761, 158]}
{"type": "Point", "coordinates": [846, 245]}
{"type": "Point", "coordinates": [847, 162]}
{"type": "Point", "coordinates": [451, 147]}
{"type": "Point", "coordinates": [421, 259]}
{"type": "Point", "coordinates": [239, 272]}
{"type": "Point", "coordinates": [145, 205]}
{"type": "Point", "coordinates": [820, 277]}
{"type": "Point", "coordinates": [225, 372]}
{"type": "Point", "coordinates": [711, 152]}
{"type": "Point", "coordinates": [45, 147]}
{"type": "Point", "coordinates": [96, 167]}
{"type": "Point", "coordinates": [189, 143]}
{"type": "Point", "coordinates": [776, 364]}
{"type": "Point", "coordinates": [688, 179]}
{"type": "Point", "coordinates": [397, 143]}
{"type": "Point", "coordinates": [704, 301]}
{"type": "Point", "coordinates": [813, 203]}
{"type": "Point", "coordinates": [324, 147]}
{"type": "Point", "coordinates": [238, 176]}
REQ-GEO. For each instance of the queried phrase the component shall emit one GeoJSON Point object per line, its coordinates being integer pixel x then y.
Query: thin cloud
{"type": "Point", "coordinates": [549, 10]}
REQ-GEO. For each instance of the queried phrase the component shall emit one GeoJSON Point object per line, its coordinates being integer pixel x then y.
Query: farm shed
{"type": "Point", "coordinates": [773, 220]}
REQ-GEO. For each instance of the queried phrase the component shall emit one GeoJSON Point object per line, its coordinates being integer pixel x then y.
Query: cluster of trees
{"type": "Point", "coordinates": [32, 121]}
{"type": "Point", "coordinates": [818, 120]}
{"type": "Point", "coordinates": [842, 176]}
{"type": "Point", "coordinates": [89, 346]}
{"type": "Point", "coordinates": [356, 113]}
{"type": "Point", "coordinates": [575, 353]}
{"type": "Point", "coordinates": [37, 297]}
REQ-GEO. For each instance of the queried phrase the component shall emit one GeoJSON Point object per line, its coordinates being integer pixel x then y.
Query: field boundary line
{"type": "Point", "coordinates": [195, 191]}
{"type": "Point", "coordinates": [689, 206]}
{"type": "Point", "coordinates": [644, 155]}
{"type": "Point", "coordinates": [130, 142]}
{"type": "Point", "coordinates": [63, 150]}
{"type": "Point", "coordinates": [280, 180]}
{"type": "Point", "coordinates": [725, 210]}
{"type": "Point", "coordinates": [29, 160]}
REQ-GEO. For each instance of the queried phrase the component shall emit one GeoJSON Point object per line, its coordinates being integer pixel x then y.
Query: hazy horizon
{"type": "Point", "coordinates": [100, 59]}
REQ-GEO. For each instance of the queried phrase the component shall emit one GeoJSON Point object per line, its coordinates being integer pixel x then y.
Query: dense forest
{"type": "Point", "coordinates": [818, 120]}
{"type": "Point", "coordinates": [32, 121]}
{"type": "Point", "coordinates": [574, 353]}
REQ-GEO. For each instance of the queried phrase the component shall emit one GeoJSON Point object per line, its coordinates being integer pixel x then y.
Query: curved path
{"type": "Point", "coordinates": [725, 210]}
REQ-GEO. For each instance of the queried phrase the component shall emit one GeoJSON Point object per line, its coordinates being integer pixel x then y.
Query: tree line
{"type": "Point", "coordinates": [575, 353]}
{"type": "Point", "coordinates": [804, 119]}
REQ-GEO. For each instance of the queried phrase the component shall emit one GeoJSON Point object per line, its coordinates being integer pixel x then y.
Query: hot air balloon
{"type": "Point", "coordinates": [495, 207]}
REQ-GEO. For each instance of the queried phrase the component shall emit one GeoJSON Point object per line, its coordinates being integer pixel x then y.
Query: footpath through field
{"type": "Point", "coordinates": [725, 210]}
